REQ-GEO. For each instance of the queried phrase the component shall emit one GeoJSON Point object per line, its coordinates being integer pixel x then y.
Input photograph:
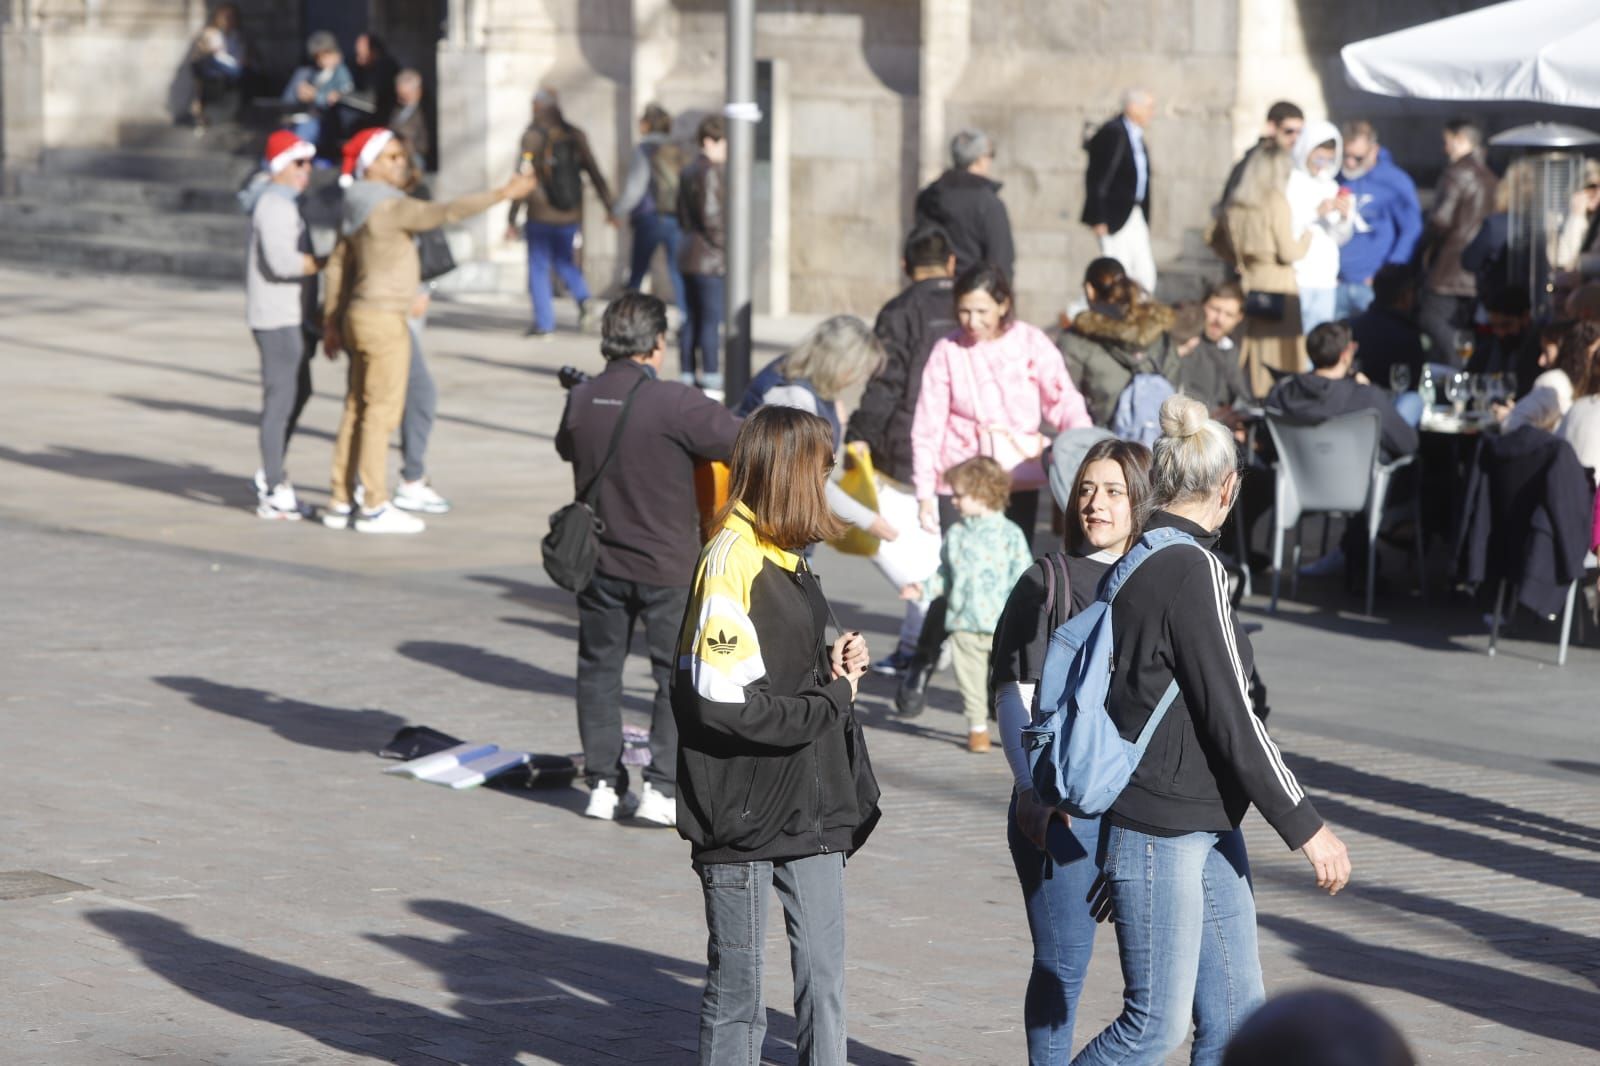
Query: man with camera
{"type": "Point", "coordinates": [649, 540]}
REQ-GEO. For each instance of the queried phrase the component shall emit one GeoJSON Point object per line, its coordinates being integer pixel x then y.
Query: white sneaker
{"type": "Point", "coordinates": [656, 807]}
{"type": "Point", "coordinates": [605, 804]}
{"type": "Point", "coordinates": [337, 516]}
{"type": "Point", "coordinates": [419, 496]}
{"type": "Point", "coordinates": [388, 520]}
{"type": "Point", "coordinates": [281, 504]}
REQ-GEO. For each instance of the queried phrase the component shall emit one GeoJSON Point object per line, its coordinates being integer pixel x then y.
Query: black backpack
{"type": "Point", "coordinates": [563, 172]}
{"type": "Point", "coordinates": [666, 163]}
{"type": "Point", "coordinates": [572, 547]}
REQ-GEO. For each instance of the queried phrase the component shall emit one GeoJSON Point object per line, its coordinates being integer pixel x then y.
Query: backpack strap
{"type": "Point", "coordinates": [587, 491]}
{"type": "Point", "coordinates": [1058, 588]}
{"type": "Point", "coordinates": [1153, 541]}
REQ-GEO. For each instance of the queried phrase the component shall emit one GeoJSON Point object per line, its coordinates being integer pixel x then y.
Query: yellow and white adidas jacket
{"type": "Point", "coordinates": [763, 767]}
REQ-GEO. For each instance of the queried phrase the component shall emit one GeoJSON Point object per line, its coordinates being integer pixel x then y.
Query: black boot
{"type": "Point", "coordinates": [912, 695]}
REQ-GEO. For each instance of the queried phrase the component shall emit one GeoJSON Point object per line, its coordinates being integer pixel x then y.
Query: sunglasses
{"type": "Point", "coordinates": [299, 163]}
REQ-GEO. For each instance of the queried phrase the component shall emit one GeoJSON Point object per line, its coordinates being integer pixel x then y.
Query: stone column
{"type": "Point", "coordinates": [946, 45]}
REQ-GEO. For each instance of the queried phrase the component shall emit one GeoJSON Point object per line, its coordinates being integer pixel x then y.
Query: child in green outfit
{"type": "Point", "coordinates": [983, 555]}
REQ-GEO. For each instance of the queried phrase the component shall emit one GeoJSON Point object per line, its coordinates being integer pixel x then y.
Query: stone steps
{"type": "Point", "coordinates": [119, 254]}
{"type": "Point", "coordinates": [36, 185]}
{"type": "Point", "coordinates": [223, 231]}
{"type": "Point", "coordinates": [165, 165]}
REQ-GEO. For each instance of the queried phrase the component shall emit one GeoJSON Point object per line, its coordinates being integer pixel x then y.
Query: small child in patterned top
{"type": "Point", "coordinates": [982, 557]}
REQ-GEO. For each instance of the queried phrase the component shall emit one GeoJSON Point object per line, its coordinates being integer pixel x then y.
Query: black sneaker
{"type": "Point", "coordinates": [912, 695]}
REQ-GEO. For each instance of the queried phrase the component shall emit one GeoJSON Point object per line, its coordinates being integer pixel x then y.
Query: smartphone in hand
{"type": "Point", "coordinates": [1062, 843]}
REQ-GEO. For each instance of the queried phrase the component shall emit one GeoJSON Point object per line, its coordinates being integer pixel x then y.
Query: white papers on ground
{"type": "Point", "coordinates": [463, 766]}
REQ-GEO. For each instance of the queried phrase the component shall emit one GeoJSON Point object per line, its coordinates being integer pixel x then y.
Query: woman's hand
{"type": "Point", "coordinates": [1033, 817]}
{"type": "Point", "coordinates": [882, 529]}
{"type": "Point", "coordinates": [928, 515]}
{"type": "Point", "coordinates": [849, 659]}
{"type": "Point", "coordinates": [1329, 859]}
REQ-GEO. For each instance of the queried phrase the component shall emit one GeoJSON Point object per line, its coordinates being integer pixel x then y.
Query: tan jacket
{"type": "Point", "coordinates": [376, 268]}
{"type": "Point", "coordinates": [1263, 240]}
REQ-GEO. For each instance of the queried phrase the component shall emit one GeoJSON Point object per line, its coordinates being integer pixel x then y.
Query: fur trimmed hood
{"type": "Point", "coordinates": [1139, 329]}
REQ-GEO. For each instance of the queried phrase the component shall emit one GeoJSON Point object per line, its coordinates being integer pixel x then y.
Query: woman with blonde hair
{"type": "Point", "coordinates": [837, 356]}
{"type": "Point", "coordinates": [1261, 228]}
{"type": "Point", "coordinates": [774, 788]}
{"type": "Point", "coordinates": [1176, 870]}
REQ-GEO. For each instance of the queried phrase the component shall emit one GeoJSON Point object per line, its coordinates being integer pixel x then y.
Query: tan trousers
{"type": "Point", "coordinates": [969, 655]}
{"type": "Point", "coordinates": [380, 360]}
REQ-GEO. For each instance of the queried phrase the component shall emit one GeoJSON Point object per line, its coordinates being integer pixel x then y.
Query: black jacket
{"type": "Point", "coordinates": [968, 208]}
{"type": "Point", "coordinates": [1316, 399]}
{"type": "Point", "coordinates": [1022, 635]}
{"type": "Point", "coordinates": [646, 499]}
{"type": "Point", "coordinates": [1211, 757]}
{"type": "Point", "coordinates": [768, 768]}
{"type": "Point", "coordinates": [1387, 337]}
{"type": "Point", "coordinates": [1527, 517]}
{"type": "Point", "coordinates": [909, 325]}
{"type": "Point", "coordinates": [1113, 177]}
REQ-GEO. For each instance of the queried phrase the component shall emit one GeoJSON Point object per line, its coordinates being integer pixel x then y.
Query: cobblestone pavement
{"type": "Point", "coordinates": [192, 699]}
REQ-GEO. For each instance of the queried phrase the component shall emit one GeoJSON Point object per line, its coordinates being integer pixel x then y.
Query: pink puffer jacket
{"type": "Point", "coordinates": [1021, 381]}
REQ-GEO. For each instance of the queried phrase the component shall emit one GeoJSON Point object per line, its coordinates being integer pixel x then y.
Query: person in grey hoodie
{"type": "Point", "coordinates": [278, 272]}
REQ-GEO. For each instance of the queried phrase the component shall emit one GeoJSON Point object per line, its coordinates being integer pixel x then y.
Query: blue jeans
{"type": "Point", "coordinates": [652, 231]}
{"type": "Point", "coordinates": [1352, 298]}
{"type": "Point", "coordinates": [1056, 898]}
{"type": "Point", "coordinates": [551, 245]}
{"type": "Point", "coordinates": [700, 340]}
{"type": "Point", "coordinates": [733, 1015]}
{"type": "Point", "coordinates": [1316, 307]}
{"type": "Point", "coordinates": [1186, 933]}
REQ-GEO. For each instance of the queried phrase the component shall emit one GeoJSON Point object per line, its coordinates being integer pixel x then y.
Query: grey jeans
{"type": "Point", "coordinates": [422, 404]}
{"type": "Point", "coordinates": [285, 388]}
{"type": "Point", "coordinates": [733, 1015]}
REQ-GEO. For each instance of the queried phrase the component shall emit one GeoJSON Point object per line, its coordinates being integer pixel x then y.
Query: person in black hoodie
{"type": "Point", "coordinates": [965, 203]}
{"type": "Point", "coordinates": [774, 785]}
{"type": "Point", "coordinates": [1174, 859]}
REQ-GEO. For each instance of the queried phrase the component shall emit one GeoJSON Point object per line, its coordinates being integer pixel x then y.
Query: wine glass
{"type": "Point", "coordinates": [1464, 339]}
{"type": "Point", "coordinates": [1479, 386]}
{"type": "Point", "coordinates": [1399, 378]}
{"type": "Point", "coordinates": [1508, 385]}
{"type": "Point", "coordinates": [1455, 392]}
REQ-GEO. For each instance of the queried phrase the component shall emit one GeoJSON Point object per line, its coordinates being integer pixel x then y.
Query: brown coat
{"type": "Point", "coordinates": [534, 142]}
{"type": "Point", "coordinates": [376, 268]}
{"type": "Point", "coordinates": [1462, 200]}
{"type": "Point", "coordinates": [1267, 250]}
{"type": "Point", "coordinates": [700, 216]}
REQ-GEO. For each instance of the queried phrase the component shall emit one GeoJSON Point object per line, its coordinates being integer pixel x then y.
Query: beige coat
{"type": "Point", "coordinates": [376, 268]}
{"type": "Point", "coordinates": [1267, 250]}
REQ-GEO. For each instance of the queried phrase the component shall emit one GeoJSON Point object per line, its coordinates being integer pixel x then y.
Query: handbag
{"type": "Point", "coordinates": [434, 255]}
{"type": "Point", "coordinates": [572, 547]}
{"type": "Point", "coordinates": [1264, 306]}
{"type": "Point", "coordinates": [1019, 454]}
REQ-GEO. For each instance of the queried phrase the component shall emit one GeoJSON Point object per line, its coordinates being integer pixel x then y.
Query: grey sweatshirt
{"type": "Point", "coordinates": [275, 280]}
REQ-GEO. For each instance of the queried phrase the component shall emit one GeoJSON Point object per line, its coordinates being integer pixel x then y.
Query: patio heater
{"type": "Point", "coordinates": [1546, 169]}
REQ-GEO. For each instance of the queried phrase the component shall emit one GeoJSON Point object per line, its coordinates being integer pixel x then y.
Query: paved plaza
{"type": "Point", "coordinates": [193, 699]}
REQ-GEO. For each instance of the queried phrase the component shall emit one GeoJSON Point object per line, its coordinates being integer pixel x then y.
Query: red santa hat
{"type": "Point", "coordinates": [284, 148]}
{"type": "Point", "coordinates": [360, 151]}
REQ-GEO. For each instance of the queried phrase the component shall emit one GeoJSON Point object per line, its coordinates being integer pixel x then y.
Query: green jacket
{"type": "Point", "coordinates": [1103, 353]}
{"type": "Point", "coordinates": [981, 559]}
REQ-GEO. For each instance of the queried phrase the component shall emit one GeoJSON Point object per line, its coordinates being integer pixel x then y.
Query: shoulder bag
{"type": "Point", "coordinates": [572, 547]}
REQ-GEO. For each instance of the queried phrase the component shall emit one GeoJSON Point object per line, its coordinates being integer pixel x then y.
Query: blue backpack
{"type": "Point", "coordinates": [1137, 416]}
{"type": "Point", "coordinates": [1080, 762]}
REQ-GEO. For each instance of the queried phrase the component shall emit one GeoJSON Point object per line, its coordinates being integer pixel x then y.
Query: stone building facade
{"type": "Point", "coordinates": [862, 96]}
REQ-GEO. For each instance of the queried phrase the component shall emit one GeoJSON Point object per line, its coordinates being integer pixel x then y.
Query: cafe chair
{"type": "Point", "coordinates": [1506, 586]}
{"type": "Point", "coordinates": [1333, 467]}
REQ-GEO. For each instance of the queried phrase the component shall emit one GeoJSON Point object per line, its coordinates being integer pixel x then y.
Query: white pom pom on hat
{"type": "Point", "coordinates": [360, 151]}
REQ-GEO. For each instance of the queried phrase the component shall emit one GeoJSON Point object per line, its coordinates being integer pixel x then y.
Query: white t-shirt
{"type": "Point", "coordinates": [1581, 428]}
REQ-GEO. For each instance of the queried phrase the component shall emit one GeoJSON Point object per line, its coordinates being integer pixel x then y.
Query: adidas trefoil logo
{"type": "Point", "coordinates": [723, 644]}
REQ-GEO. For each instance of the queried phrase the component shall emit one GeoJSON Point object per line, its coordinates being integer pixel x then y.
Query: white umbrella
{"type": "Point", "coordinates": [1543, 51]}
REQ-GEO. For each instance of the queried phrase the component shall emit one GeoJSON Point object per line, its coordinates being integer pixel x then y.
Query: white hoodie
{"type": "Point", "coordinates": [1319, 269]}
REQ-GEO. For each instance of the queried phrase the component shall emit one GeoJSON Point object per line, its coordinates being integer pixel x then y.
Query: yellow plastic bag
{"type": "Point", "coordinates": [860, 483]}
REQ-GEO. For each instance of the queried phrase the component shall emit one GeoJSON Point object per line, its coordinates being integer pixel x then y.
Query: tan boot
{"type": "Point", "coordinates": [978, 741]}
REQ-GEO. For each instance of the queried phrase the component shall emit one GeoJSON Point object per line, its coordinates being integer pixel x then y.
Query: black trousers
{"type": "Point", "coordinates": [607, 610]}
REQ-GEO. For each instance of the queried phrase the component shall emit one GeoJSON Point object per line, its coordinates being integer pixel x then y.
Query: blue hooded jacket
{"type": "Point", "coordinates": [1389, 223]}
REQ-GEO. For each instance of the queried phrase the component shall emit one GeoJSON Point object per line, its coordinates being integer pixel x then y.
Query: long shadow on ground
{"type": "Point", "coordinates": [1530, 1004]}
{"type": "Point", "coordinates": [188, 481]}
{"type": "Point", "coordinates": [519, 990]}
{"type": "Point", "coordinates": [491, 668]}
{"type": "Point", "coordinates": [311, 724]}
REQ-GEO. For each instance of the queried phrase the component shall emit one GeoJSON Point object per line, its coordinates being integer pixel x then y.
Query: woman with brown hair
{"type": "Point", "coordinates": [1261, 227]}
{"type": "Point", "coordinates": [773, 785]}
{"type": "Point", "coordinates": [1107, 499]}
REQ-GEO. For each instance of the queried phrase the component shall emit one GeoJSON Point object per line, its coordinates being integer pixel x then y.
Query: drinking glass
{"type": "Point", "coordinates": [1463, 347]}
{"type": "Point", "coordinates": [1455, 392]}
{"type": "Point", "coordinates": [1508, 382]}
{"type": "Point", "coordinates": [1479, 385]}
{"type": "Point", "coordinates": [1399, 378]}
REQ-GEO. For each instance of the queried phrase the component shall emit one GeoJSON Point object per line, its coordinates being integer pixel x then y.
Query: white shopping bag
{"type": "Point", "coordinates": [913, 556]}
